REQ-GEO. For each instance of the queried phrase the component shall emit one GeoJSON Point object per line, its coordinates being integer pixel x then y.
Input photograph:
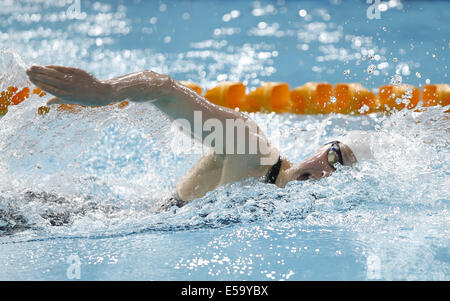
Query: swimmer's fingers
{"type": "Point", "coordinates": [72, 79]}
{"type": "Point", "coordinates": [35, 70]}
{"type": "Point", "coordinates": [54, 81]}
{"type": "Point", "coordinates": [48, 79]}
{"type": "Point", "coordinates": [71, 85]}
{"type": "Point", "coordinates": [62, 69]}
{"type": "Point", "coordinates": [49, 88]}
{"type": "Point", "coordinates": [68, 70]}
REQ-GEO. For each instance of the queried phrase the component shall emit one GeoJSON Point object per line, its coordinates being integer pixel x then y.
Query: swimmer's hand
{"type": "Point", "coordinates": [71, 85]}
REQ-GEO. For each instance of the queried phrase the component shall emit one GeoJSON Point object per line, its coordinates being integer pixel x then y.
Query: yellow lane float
{"type": "Point", "coordinates": [13, 96]}
{"type": "Point", "coordinates": [354, 98]}
{"type": "Point", "coordinates": [323, 98]}
{"type": "Point", "coordinates": [228, 94]}
{"type": "Point", "coordinates": [270, 97]}
{"type": "Point", "coordinates": [192, 86]}
{"type": "Point", "coordinates": [310, 98]}
{"type": "Point", "coordinates": [397, 97]}
{"type": "Point", "coordinates": [436, 95]}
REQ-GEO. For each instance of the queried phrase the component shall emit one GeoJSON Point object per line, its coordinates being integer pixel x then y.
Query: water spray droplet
{"type": "Point", "coordinates": [371, 68]}
{"type": "Point", "coordinates": [396, 80]}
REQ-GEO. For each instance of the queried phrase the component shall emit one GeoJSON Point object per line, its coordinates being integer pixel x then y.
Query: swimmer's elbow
{"type": "Point", "coordinates": [157, 86]}
{"type": "Point", "coordinates": [157, 80]}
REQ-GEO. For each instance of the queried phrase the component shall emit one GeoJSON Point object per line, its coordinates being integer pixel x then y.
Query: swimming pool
{"type": "Point", "coordinates": [82, 187]}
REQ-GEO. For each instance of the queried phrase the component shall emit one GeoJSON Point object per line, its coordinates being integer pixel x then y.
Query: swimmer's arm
{"type": "Point", "coordinates": [204, 176]}
{"type": "Point", "coordinates": [76, 86]}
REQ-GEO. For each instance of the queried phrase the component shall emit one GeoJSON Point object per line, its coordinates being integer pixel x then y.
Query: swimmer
{"type": "Point", "coordinates": [224, 164]}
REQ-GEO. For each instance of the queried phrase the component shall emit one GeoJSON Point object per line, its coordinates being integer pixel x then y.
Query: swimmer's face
{"type": "Point", "coordinates": [320, 164]}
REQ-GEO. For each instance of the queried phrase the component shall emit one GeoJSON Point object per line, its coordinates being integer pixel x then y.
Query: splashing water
{"type": "Point", "coordinates": [87, 184]}
{"type": "Point", "coordinates": [100, 173]}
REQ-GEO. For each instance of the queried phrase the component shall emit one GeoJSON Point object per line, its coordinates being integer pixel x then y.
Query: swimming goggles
{"type": "Point", "coordinates": [334, 154]}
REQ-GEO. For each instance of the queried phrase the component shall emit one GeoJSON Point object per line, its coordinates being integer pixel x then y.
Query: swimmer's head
{"type": "Point", "coordinates": [359, 143]}
{"type": "Point", "coordinates": [346, 150]}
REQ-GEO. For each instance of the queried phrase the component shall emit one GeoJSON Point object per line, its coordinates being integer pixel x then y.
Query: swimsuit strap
{"type": "Point", "coordinates": [273, 172]}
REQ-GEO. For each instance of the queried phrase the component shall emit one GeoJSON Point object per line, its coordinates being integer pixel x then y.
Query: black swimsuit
{"type": "Point", "coordinates": [273, 172]}
{"type": "Point", "coordinates": [270, 177]}
{"type": "Point", "coordinates": [173, 200]}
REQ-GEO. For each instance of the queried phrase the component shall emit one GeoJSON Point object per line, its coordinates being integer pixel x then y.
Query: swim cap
{"type": "Point", "coordinates": [360, 144]}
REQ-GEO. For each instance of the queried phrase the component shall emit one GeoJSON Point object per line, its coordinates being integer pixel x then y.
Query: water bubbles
{"type": "Point", "coordinates": [418, 75]}
{"type": "Point", "coordinates": [259, 11]}
{"type": "Point", "coordinates": [303, 47]}
{"type": "Point", "coordinates": [396, 80]}
{"type": "Point", "coordinates": [333, 99]}
{"type": "Point", "coordinates": [357, 42]}
{"type": "Point", "coordinates": [371, 68]}
{"type": "Point", "coordinates": [405, 99]}
{"type": "Point", "coordinates": [231, 15]}
{"type": "Point", "coordinates": [403, 69]}
{"type": "Point", "coordinates": [302, 13]}
{"type": "Point", "coordinates": [383, 65]}
{"type": "Point", "coordinates": [408, 93]}
{"type": "Point", "coordinates": [262, 25]}
{"type": "Point", "coordinates": [235, 13]}
{"type": "Point", "coordinates": [226, 18]}
{"type": "Point", "coordinates": [347, 72]}
{"type": "Point", "coordinates": [363, 109]}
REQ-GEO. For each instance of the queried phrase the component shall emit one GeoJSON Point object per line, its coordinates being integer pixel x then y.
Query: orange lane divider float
{"type": "Point", "coordinates": [436, 95]}
{"type": "Point", "coordinates": [228, 94]}
{"type": "Point", "coordinates": [398, 97]}
{"type": "Point", "coordinates": [310, 98]}
{"type": "Point", "coordinates": [323, 98]}
{"type": "Point", "coordinates": [192, 86]}
{"type": "Point", "coordinates": [13, 96]}
{"type": "Point", "coordinates": [270, 97]}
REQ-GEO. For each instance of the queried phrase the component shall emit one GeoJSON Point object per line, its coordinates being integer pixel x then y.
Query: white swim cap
{"type": "Point", "coordinates": [360, 144]}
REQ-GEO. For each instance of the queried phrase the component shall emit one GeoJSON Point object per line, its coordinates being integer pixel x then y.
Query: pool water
{"type": "Point", "coordinates": [82, 188]}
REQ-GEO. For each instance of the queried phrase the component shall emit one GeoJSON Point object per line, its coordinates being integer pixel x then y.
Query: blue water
{"type": "Point", "coordinates": [97, 175]}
